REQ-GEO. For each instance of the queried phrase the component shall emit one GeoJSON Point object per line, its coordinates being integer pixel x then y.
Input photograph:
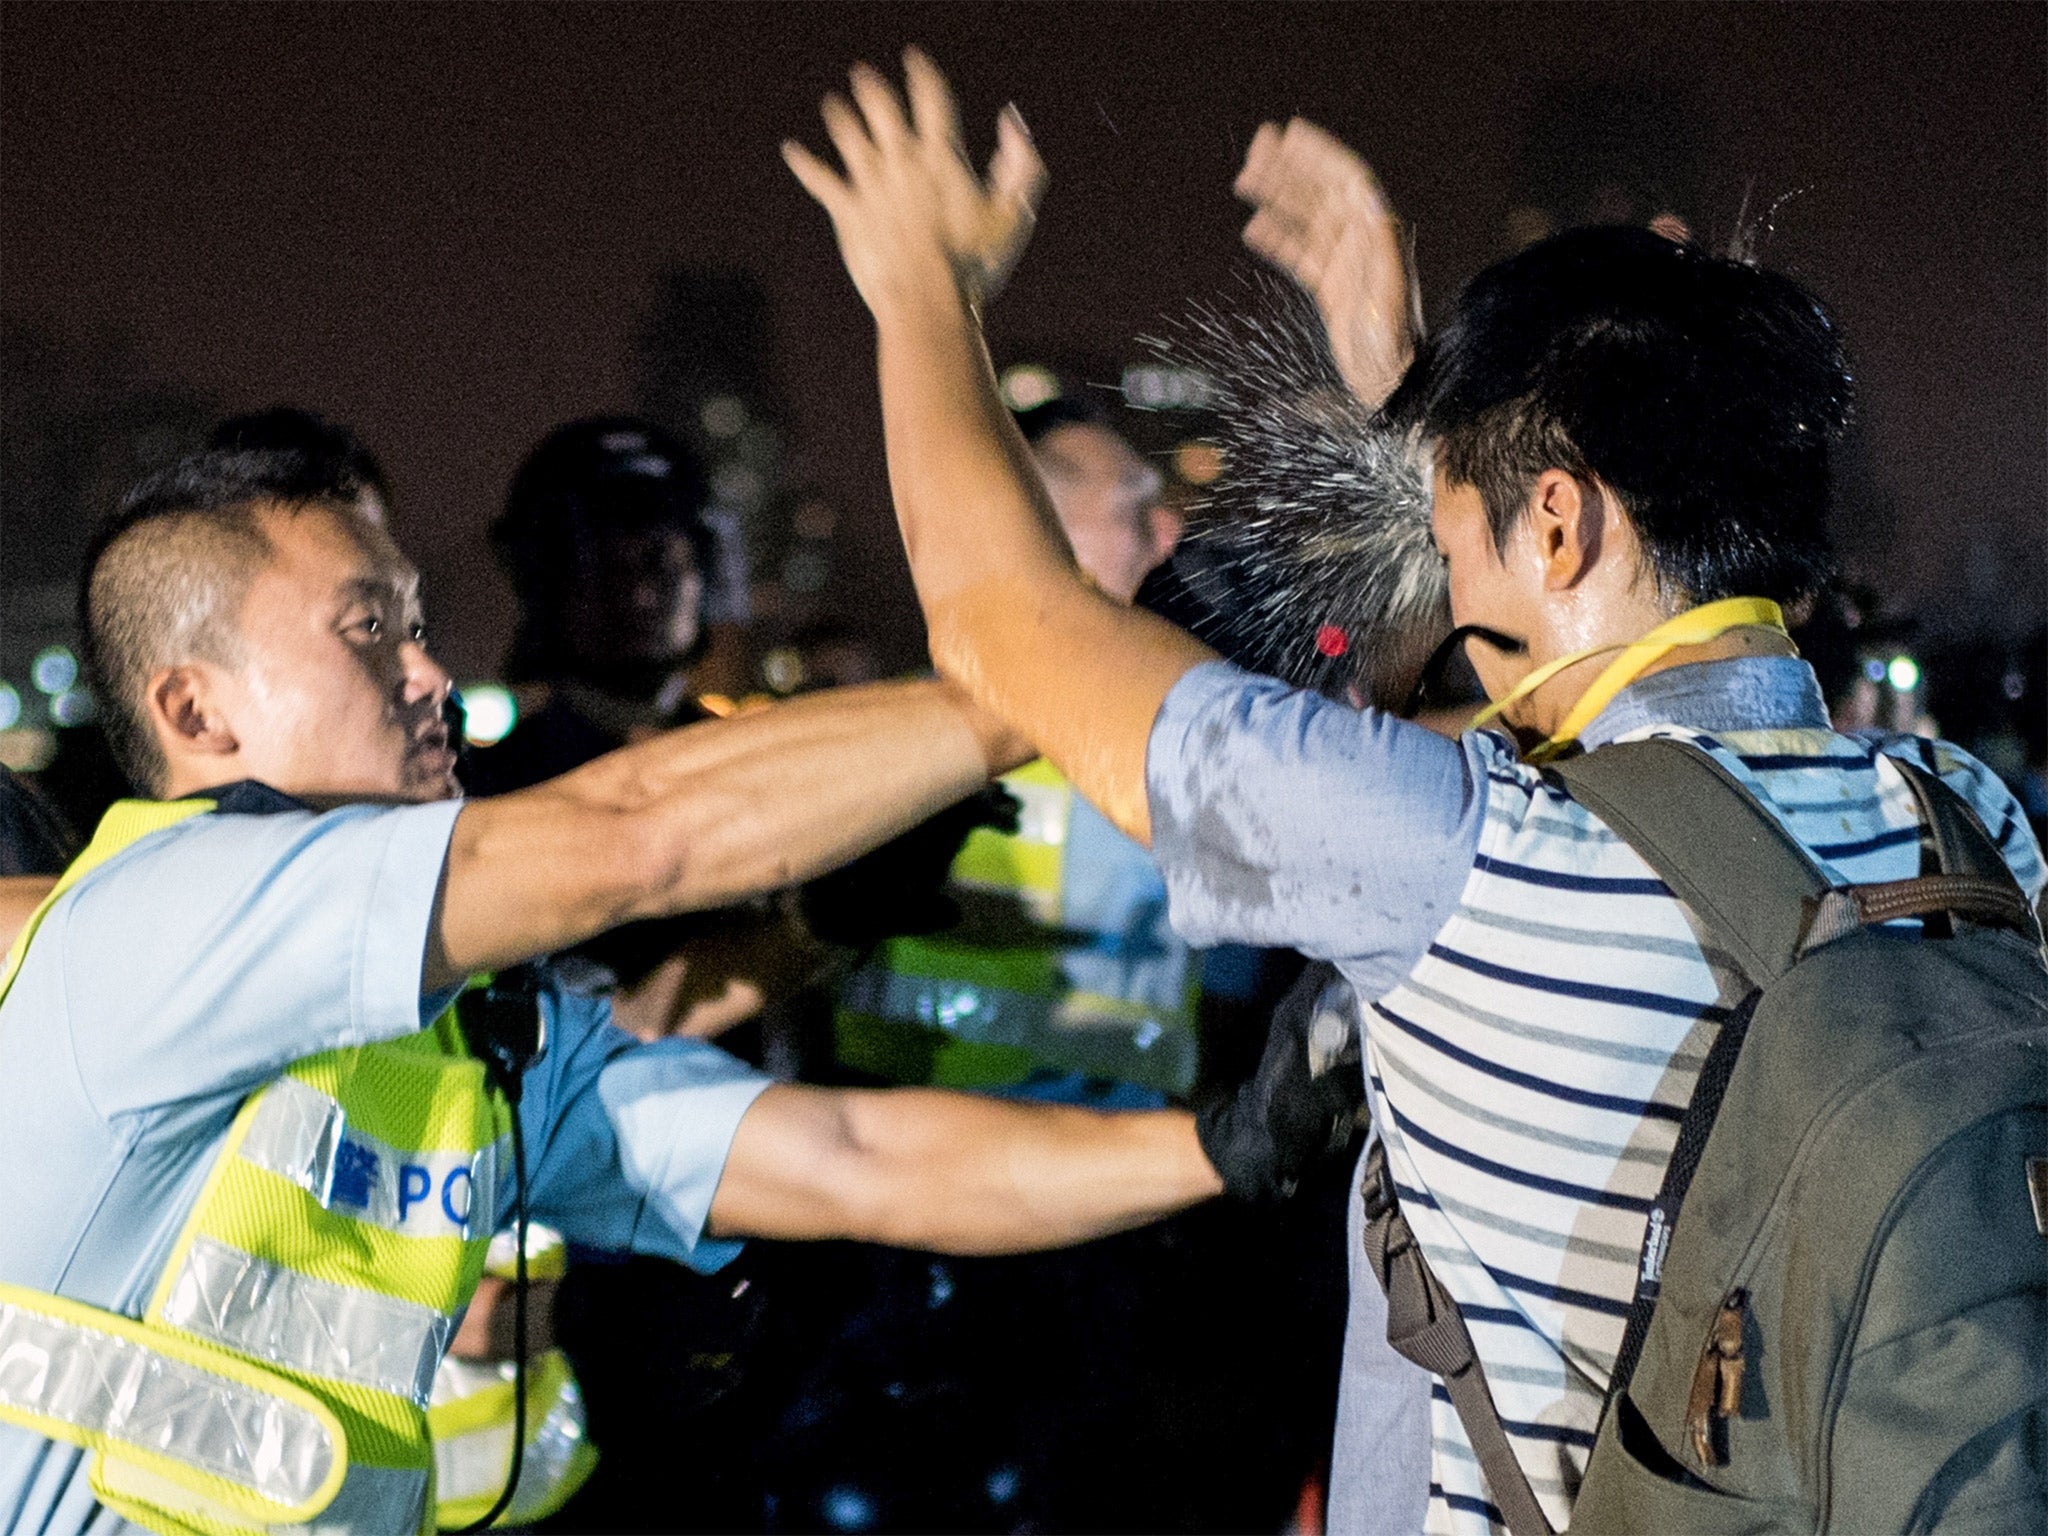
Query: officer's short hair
{"type": "Point", "coordinates": [164, 580]}
{"type": "Point", "coordinates": [331, 448]}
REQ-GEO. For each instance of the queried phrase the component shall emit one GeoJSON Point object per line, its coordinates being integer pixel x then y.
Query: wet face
{"type": "Point", "coordinates": [336, 695]}
{"type": "Point", "coordinates": [1107, 500]}
{"type": "Point", "coordinates": [634, 598]}
{"type": "Point", "coordinates": [1497, 587]}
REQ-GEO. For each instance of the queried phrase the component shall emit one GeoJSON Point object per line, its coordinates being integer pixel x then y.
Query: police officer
{"type": "Point", "coordinates": [619, 575]}
{"type": "Point", "coordinates": [1063, 971]}
{"type": "Point", "coordinates": [257, 1142]}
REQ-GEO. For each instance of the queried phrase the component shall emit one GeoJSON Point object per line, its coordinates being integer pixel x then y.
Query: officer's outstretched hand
{"type": "Point", "coordinates": [908, 209]}
{"type": "Point", "coordinates": [1304, 1103]}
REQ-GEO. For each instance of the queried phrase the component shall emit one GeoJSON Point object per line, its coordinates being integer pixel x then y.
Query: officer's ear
{"type": "Point", "coordinates": [186, 715]}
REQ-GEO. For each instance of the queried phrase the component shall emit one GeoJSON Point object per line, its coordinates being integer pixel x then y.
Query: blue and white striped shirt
{"type": "Point", "coordinates": [1540, 1002]}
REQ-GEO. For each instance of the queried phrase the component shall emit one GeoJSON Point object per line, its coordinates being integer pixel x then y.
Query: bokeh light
{"type": "Point", "coordinates": [1027, 384]}
{"type": "Point", "coordinates": [783, 669]}
{"type": "Point", "coordinates": [74, 706]}
{"type": "Point", "coordinates": [489, 713]}
{"type": "Point", "coordinates": [1198, 463]}
{"type": "Point", "coordinates": [54, 669]}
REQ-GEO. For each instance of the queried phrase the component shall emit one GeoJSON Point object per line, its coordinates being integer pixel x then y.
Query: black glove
{"type": "Point", "coordinates": [1305, 1102]}
{"type": "Point", "coordinates": [899, 888]}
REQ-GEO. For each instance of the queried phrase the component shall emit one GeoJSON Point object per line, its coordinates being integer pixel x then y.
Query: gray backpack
{"type": "Point", "coordinates": [1841, 1316]}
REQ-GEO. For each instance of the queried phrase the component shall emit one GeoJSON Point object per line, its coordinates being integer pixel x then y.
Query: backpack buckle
{"type": "Point", "coordinates": [1376, 1189]}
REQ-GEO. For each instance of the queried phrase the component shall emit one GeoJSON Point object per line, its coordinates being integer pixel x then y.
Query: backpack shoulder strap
{"type": "Point", "coordinates": [1962, 846]}
{"type": "Point", "coordinates": [1425, 1326]}
{"type": "Point", "coordinates": [1722, 854]}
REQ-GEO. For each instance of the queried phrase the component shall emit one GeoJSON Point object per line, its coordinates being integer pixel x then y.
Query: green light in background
{"type": "Point", "coordinates": [489, 713]}
{"type": "Point", "coordinates": [1904, 673]}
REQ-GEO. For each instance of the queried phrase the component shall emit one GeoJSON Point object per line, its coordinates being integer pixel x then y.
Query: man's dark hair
{"type": "Point", "coordinates": [1706, 393]}
{"type": "Point", "coordinates": [584, 480]}
{"type": "Point", "coordinates": [329, 448]}
{"type": "Point", "coordinates": [163, 581]}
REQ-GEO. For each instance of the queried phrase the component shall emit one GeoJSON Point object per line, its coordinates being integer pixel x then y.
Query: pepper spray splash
{"type": "Point", "coordinates": [1312, 549]}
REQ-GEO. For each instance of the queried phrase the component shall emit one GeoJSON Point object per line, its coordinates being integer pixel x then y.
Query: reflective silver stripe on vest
{"type": "Point", "coordinates": [109, 1385]}
{"type": "Point", "coordinates": [473, 1465]}
{"type": "Point", "coordinates": [992, 1015]}
{"type": "Point", "coordinates": [301, 1134]}
{"type": "Point", "coordinates": [1079, 1031]}
{"type": "Point", "coordinates": [278, 1314]}
{"type": "Point", "coordinates": [372, 1501]}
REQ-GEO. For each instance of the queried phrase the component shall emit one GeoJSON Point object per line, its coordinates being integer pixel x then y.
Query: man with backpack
{"type": "Point", "coordinates": [1630, 446]}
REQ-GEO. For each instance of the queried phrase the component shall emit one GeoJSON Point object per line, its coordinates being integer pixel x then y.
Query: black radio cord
{"type": "Point", "coordinates": [508, 1084]}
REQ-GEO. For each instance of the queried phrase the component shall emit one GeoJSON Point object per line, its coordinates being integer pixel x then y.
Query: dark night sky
{"type": "Point", "coordinates": [443, 223]}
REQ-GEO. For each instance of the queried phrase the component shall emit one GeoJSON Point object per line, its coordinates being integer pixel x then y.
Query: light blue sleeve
{"type": "Point", "coordinates": [208, 956]}
{"type": "Point", "coordinates": [1996, 805]}
{"type": "Point", "coordinates": [1281, 818]}
{"type": "Point", "coordinates": [626, 1141]}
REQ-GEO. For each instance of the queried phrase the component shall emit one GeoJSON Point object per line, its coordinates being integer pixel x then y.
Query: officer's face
{"type": "Point", "coordinates": [1107, 501]}
{"type": "Point", "coordinates": [336, 695]}
{"type": "Point", "coordinates": [635, 597]}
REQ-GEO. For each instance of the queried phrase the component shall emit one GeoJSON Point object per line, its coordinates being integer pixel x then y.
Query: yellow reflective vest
{"type": "Point", "coordinates": [986, 1003]}
{"type": "Point", "coordinates": [282, 1370]}
{"type": "Point", "coordinates": [471, 1419]}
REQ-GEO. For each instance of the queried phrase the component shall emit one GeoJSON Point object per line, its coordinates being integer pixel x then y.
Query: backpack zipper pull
{"type": "Point", "coordinates": [1717, 1384]}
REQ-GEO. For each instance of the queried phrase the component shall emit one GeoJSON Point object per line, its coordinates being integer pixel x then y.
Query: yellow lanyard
{"type": "Point", "coordinates": [1695, 626]}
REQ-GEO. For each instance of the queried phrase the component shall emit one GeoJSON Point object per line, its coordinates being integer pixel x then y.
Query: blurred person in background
{"type": "Point", "coordinates": [613, 564]}
{"type": "Point", "coordinates": [611, 559]}
{"type": "Point", "coordinates": [1063, 936]}
{"type": "Point", "coordinates": [1111, 503]}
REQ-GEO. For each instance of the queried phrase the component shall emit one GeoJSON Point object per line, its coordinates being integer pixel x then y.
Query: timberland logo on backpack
{"type": "Point", "coordinates": [1655, 1241]}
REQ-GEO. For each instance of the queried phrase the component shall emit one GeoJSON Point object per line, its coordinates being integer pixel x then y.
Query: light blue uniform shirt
{"type": "Point", "coordinates": [184, 973]}
{"type": "Point", "coordinates": [1110, 888]}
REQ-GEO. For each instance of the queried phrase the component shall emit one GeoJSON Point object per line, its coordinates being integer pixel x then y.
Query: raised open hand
{"type": "Point", "coordinates": [909, 209]}
{"type": "Point", "coordinates": [1323, 219]}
